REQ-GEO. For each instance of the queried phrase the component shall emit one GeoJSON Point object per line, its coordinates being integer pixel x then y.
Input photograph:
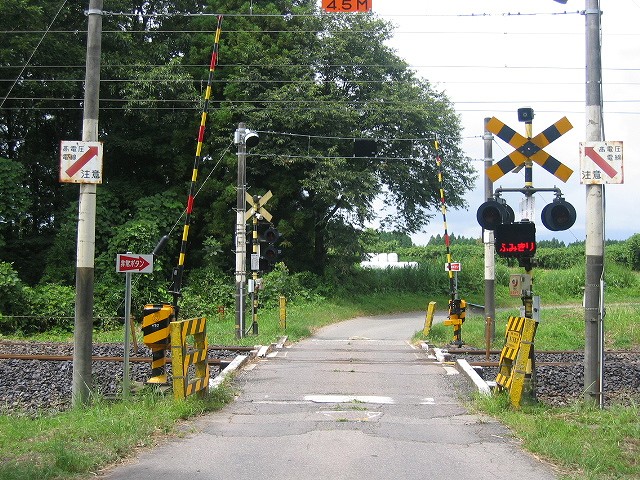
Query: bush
{"type": "Point", "coordinates": [616, 253]}
{"type": "Point", "coordinates": [207, 290]}
{"type": "Point", "coordinates": [560, 258]}
{"type": "Point", "coordinates": [48, 307]}
{"type": "Point", "coordinates": [633, 251]}
{"type": "Point", "coordinates": [10, 289]}
{"type": "Point", "coordinates": [280, 282]}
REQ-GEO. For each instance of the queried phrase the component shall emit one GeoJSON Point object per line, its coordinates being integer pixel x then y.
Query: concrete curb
{"type": "Point", "coordinates": [472, 375]}
{"type": "Point", "coordinates": [462, 366]}
{"type": "Point", "coordinates": [260, 351]}
{"type": "Point", "coordinates": [236, 364]}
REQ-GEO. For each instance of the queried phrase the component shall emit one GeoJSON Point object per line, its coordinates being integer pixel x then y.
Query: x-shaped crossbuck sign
{"type": "Point", "coordinates": [257, 207]}
{"type": "Point", "coordinates": [529, 149]}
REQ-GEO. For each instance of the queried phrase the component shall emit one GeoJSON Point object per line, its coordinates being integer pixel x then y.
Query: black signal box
{"type": "Point", "coordinates": [515, 240]}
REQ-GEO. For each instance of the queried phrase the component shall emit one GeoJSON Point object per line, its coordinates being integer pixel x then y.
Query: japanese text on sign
{"type": "Point", "coordinates": [80, 162]}
{"type": "Point", "coordinates": [515, 248]}
{"type": "Point", "coordinates": [346, 5]}
{"type": "Point", "coordinates": [601, 162]}
{"type": "Point", "coordinates": [134, 263]}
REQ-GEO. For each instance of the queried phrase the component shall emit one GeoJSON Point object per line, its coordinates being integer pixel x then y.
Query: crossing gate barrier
{"type": "Point", "coordinates": [516, 369]}
{"type": "Point", "coordinates": [186, 358]}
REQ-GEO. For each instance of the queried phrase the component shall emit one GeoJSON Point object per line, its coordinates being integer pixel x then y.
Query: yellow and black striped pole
{"type": "Point", "coordinates": [177, 275]}
{"type": "Point", "coordinates": [456, 306]}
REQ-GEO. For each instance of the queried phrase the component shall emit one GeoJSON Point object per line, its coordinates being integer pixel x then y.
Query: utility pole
{"type": "Point", "coordinates": [83, 320]}
{"type": "Point", "coordinates": [241, 233]}
{"type": "Point", "coordinates": [244, 138]}
{"type": "Point", "coordinates": [489, 247]}
{"type": "Point", "coordinates": [594, 244]}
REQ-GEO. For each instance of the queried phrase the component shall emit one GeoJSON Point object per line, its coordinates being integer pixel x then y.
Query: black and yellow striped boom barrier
{"type": "Point", "coordinates": [183, 356]}
{"type": "Point", "coordinates": [457, 306]}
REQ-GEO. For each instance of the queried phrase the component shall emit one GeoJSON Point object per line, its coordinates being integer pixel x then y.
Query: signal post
{"type": "Point", "coordinates": [518, 239]}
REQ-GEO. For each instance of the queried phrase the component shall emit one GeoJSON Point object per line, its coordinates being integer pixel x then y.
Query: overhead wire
{"type": "Point", "coordinates": [33, 52]}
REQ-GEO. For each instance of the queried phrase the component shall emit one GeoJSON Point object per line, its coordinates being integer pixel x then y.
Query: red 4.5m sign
{"type": "Point", "coordinates": [346, 5]}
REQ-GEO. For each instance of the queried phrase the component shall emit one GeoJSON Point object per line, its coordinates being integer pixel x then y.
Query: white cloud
{"type": "Point", "coordinates": [491, 65]}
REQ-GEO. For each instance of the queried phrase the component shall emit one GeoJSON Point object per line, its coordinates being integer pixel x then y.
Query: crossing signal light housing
{"type": "Point", "coordinates": [558, 215]}
{"type": "Point", "coordinates": [494, 212]}
{"type": "Point", "coordinates": [270, 253]}
{"type": "Point", "coordinates": [516, 240]}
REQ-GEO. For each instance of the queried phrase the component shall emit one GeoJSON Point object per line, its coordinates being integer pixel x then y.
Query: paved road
{"type": "Point", "coordinates": [356, 401]}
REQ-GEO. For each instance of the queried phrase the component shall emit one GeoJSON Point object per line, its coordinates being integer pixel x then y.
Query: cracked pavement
{"type": "Point", "coordinates": [355, 401]}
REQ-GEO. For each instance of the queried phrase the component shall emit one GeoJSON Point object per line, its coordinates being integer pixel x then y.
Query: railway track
{"type": "Point", "coordinates": [560, 374]}
{"type": "Point", "coordinates": [37, 376]}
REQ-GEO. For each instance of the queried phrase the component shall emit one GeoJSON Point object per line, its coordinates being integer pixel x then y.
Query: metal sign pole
{"type": "Point", "coordinates": [127, 314]}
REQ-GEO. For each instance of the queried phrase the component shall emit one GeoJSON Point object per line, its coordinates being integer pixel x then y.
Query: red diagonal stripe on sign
{"type": "Point", "coordinates": [82, 161]}
{"type": "Point", "coordinates": [599, 161]}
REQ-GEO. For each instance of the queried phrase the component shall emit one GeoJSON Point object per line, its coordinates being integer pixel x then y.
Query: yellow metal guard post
{"type": "Point", "coordinates": [512, 337]}
{"type": "Point", "coordinates": [182, 357]}
{"type": "Point", "coordinates": [283, 312]}
{"type": "Point", "coordinates": [522, 385]}
{"type": "Point", "coordinates": [516, 371]}
{"type": "Point", "coordinates": [428, 320]}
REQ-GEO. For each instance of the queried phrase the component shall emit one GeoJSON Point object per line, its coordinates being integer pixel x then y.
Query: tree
{"type": "Point", "coordinates": [311, 84]}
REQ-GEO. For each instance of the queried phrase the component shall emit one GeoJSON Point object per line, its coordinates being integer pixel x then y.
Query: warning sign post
{"type": "Point", "coordinates": [601, 163]}
{"type": "Point", "coordinates": [80, 162]}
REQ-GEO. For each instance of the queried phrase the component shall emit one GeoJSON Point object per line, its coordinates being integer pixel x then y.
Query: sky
{"type": "Point", "coordinates": [524, 53]}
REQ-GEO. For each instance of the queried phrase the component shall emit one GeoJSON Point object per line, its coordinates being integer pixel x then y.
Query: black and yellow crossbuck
{"type": "Point", "coordinates": [529, 149]}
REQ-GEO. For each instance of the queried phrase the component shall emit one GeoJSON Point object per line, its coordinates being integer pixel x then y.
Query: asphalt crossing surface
{"type": "Point", "coordinates": [355, 401]}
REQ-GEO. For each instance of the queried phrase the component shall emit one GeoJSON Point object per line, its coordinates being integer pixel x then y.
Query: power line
{"type": "Point", "coordinates": [330, 14]}
{"type": "Point", "coordinates": [33, 52]}
{"type": "Point", "coordinates": [313, 32]}
{"type": "Point", "coordinates": [329, 65]}
{"type": "Point", "coordinates": [300, 82]}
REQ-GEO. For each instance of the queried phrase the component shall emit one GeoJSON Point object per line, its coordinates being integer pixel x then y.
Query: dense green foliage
{"type": "Point", "coordinates": [50, 306]}
{"type": "Point", "coordinates": [284, 71]}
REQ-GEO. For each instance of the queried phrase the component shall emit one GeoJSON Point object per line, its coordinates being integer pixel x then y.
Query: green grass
{"type": "Point", "coordinates": [560, 328]}
{"type": "Point", "coordinates": [81, 440]}
{"type": "Point", "coordinates": [584, 442]}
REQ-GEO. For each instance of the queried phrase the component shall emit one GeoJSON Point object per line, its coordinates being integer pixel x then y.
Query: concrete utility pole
{"type": "Point", "coordinates": [241, 233]}
{"type": "Point", "coordinates": [594, 245]}
{"type": "Point", "coordinates": [83, 321]}
{"type": "Point", "coordinates": [244, 139]}
{"type": "Point", "coordinates": [489, 247]}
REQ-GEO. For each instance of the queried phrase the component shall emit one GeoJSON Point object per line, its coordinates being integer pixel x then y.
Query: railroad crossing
{"type": "Point", "coordinates": [355, 400]}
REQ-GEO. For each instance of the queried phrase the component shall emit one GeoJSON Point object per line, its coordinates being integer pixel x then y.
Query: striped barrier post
{"type": "Point", "coordinates": [183, 356]}
{"type": "Point", "coordinates": [283, 312]}
{"type": "Point", "coordinates": [516, 370]}
{"type": "Point", "coordinates": [155, 334]}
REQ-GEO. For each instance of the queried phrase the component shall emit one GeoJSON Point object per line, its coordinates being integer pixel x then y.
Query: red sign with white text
{"type": "Point", "coordinates": [134, 263]}
{"type": "Point", "coordinates": [346, 5]}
